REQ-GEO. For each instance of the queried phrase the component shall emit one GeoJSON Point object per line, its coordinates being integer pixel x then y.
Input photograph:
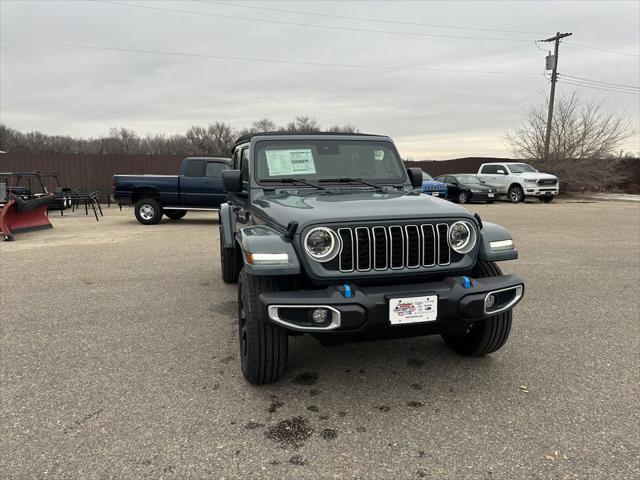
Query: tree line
{"type": "Point", "coordinates": [216, 139]}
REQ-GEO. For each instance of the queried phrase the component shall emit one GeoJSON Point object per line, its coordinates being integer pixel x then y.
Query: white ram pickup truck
{"type": "Point", "coordinates": [519, 180]}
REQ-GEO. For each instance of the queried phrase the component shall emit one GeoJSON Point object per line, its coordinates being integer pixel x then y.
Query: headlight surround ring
{"type": "Point", "coordinates": [314, 240]}
{"type": "Point", "coordinates": [465, 237]}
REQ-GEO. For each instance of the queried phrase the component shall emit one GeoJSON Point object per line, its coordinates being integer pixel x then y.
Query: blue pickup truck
{"type": "Point", "coordinates": [198, 187]}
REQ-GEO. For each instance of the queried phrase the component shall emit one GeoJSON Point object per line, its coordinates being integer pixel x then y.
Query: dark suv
{"type": "Point", "coordinates": [329, 234]}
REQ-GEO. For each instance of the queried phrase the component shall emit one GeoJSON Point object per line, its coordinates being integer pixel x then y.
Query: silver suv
{"type": "Point", "coordinates": [519, 180]}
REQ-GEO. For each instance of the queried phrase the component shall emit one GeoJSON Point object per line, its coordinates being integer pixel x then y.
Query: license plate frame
{"type": "Point", "coordinates": [413, 310]}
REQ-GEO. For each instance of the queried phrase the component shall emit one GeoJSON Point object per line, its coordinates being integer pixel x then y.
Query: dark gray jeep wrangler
{"type": "Point", "coordinates": [329, 234]}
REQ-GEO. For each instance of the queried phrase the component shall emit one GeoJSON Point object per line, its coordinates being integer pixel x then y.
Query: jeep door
{"type": "Point", "coordinates": [239, 201]}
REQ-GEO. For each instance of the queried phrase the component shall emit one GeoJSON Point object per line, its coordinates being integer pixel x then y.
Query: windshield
{"type": "Point", "coordinates": [426, 177]}
{"type": "Point", "coordinates": [467, 179]}
{"type": "Point", "coordinates": [521, 168]}
{"type": "Point", "coordinates": [314, 160]}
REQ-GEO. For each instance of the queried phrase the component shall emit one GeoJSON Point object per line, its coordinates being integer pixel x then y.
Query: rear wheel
{"type": "Point", "coordinates": [516, 194]}
{"type": "Point", "coordinates": [175, 214]}
{"type": "Point", "coordinates": [484, 336]}
{"type": "Point", "coordinates": [264, 346]}
{"type": "Point", "coordinates": [148, 211]}
{"type": "Point", "coordinates": [463, 197]}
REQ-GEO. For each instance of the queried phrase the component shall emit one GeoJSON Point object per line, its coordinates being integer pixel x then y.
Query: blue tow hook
{"type": "Point", "coordinates": [466, 282]}
{"type": "Point", "coordinates": [347, 291]}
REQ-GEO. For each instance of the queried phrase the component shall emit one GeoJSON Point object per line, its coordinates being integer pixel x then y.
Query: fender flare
{"type": "Point", "coordinates": [263, 239]}
{"type": "Point", "coordinates": [227, 225]}
{"type": "Point", "coordinates": [492, 232]}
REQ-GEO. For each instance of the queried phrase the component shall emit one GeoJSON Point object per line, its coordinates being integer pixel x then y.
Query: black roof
{"type": "Point", "coordinates": [247, 137]}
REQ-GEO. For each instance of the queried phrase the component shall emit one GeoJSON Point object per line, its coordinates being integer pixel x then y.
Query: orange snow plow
{"type": "Point", "coordinates": [20, 215]}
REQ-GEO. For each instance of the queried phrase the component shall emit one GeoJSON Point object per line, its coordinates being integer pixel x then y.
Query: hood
{"type": "Point", "coordinates": [352, 206]}
{"type": "Point", "coordinates": [535, 175]}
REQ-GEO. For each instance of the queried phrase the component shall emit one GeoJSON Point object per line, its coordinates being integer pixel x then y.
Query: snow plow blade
{"type": "Point", "coordinates": [20, 215]}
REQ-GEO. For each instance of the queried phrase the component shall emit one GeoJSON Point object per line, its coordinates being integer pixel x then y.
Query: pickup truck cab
{"type": "Point", "coordinates": [330, 235]}
{"type": "Point", "coordinates": [197, 187]}
{"type": "Point", "coordinates": [519, 180]}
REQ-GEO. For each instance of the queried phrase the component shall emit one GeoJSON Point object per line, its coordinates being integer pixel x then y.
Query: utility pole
{"type": "Point", "coordinates": [554, 78]}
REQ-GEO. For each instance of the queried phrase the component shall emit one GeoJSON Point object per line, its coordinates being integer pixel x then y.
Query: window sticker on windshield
{"type": "Point", "coordinates": [290, 162]}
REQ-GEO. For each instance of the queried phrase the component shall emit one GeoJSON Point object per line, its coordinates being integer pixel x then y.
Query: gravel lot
{"type": "Point", "coordinates": [119, 359]}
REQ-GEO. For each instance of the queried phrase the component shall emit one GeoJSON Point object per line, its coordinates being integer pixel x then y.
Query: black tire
{"type": "Point", "coordinates": [264, 346]}
{"type": "Point", "coordinates": [463, 197]}
{"type": "Point", "coordinates": [546, 199]}
{"type": "Point", "coordinates": [230, 262]}
{"type": "Point", "coordinates": [148, 211]}
{"type": "Point", "coordinates": [484, 336]}
{"type": "Point", "coordinates": [516, 194]}
{"type": "Point", "coordinates": [175, 214]}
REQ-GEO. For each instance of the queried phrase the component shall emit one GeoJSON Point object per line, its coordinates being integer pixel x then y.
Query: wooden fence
{"type": "Point", "coordinates": [89, 172]}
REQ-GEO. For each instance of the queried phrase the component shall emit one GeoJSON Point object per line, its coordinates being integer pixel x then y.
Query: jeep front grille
{"type": "Point", "coordinates": [393, 247]}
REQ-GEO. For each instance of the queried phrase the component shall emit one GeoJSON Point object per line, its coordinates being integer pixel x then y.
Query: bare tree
{"type": "Point", "coordinates": [217, 139]}
{"type": "Point", "coordinates": [579, 131]}
{"type": "Point", "coordinates": [263, 125]}
{"type": "Point", "coordinates": [348, 128]}
{"type": "Point", "coordinates": [303, 124]}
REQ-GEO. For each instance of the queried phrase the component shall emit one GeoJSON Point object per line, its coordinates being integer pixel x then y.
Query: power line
{"type": "Point", "coordinates": [313, 25]}
{"type": "Point", "coordinates": [268, 60]}
{"type": "Point", "coordinates": [578, 84]}
{"type": "Point", "coordinates": [596, 82]}
{"type": "Point", "coordinates": [602, 49]}
{"type": "Point", "coordinates": [367, 19]}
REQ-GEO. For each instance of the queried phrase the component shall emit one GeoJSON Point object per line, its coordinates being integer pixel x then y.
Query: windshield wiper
{"type": "Point", "coordinates": [293, 181]}
{"type": "Point", "coordinates": [353, 180]}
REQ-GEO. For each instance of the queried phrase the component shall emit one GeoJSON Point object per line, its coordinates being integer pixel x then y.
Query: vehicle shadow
{"type": "Point", "coordinates": [191, 221]}
{"type": "Point", "coordinates": [384, 373]}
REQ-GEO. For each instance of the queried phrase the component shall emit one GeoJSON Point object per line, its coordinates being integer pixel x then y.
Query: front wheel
{"type": "Point", "coordinates": [463, 197]}
{"type": "Point", "coordinates": [148, 211]}
{"type": "Point", "coordinates": [264, 346]}
{"type": "Point", "coordinates": [516, 194]}
{"type": "Point", "coordinates": [483, 336]}
{"type": "Point", "coordinates": [175, 214]}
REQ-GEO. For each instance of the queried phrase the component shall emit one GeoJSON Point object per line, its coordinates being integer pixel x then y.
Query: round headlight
{"type": "Point", "coordinates": [322, 244]}
{"type": "Point", "coordinates": [462, 237]}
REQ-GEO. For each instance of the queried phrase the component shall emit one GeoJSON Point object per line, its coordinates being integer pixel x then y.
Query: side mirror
{"type": "Point", "coordinates": [453, 184]}
{"type": "Point", "coordinates": [415, 177]}
{"type": "Point", "coordinates": [231, 181]}
{"type": "Point", "coordinates": [501, 172]}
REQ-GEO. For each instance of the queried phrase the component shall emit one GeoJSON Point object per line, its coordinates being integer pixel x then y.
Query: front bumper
{"type": "Point", "coordinates": [538, 191]}
{"type": "Point", "coordinates": [367, 309]}
{"type": "Point", "coordinates": [482, 197]}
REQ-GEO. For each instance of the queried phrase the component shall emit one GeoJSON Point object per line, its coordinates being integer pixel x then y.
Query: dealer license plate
{"type": "Point", "coordinates": [406, 310]}
{"type": "Point", "coordinates": [435, 194]}
{"type": "Point", "coordinates": [490, 195]}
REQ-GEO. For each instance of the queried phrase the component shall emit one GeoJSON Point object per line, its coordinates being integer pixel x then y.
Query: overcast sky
{"type": "Point", "coordinates": [430, 113]}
